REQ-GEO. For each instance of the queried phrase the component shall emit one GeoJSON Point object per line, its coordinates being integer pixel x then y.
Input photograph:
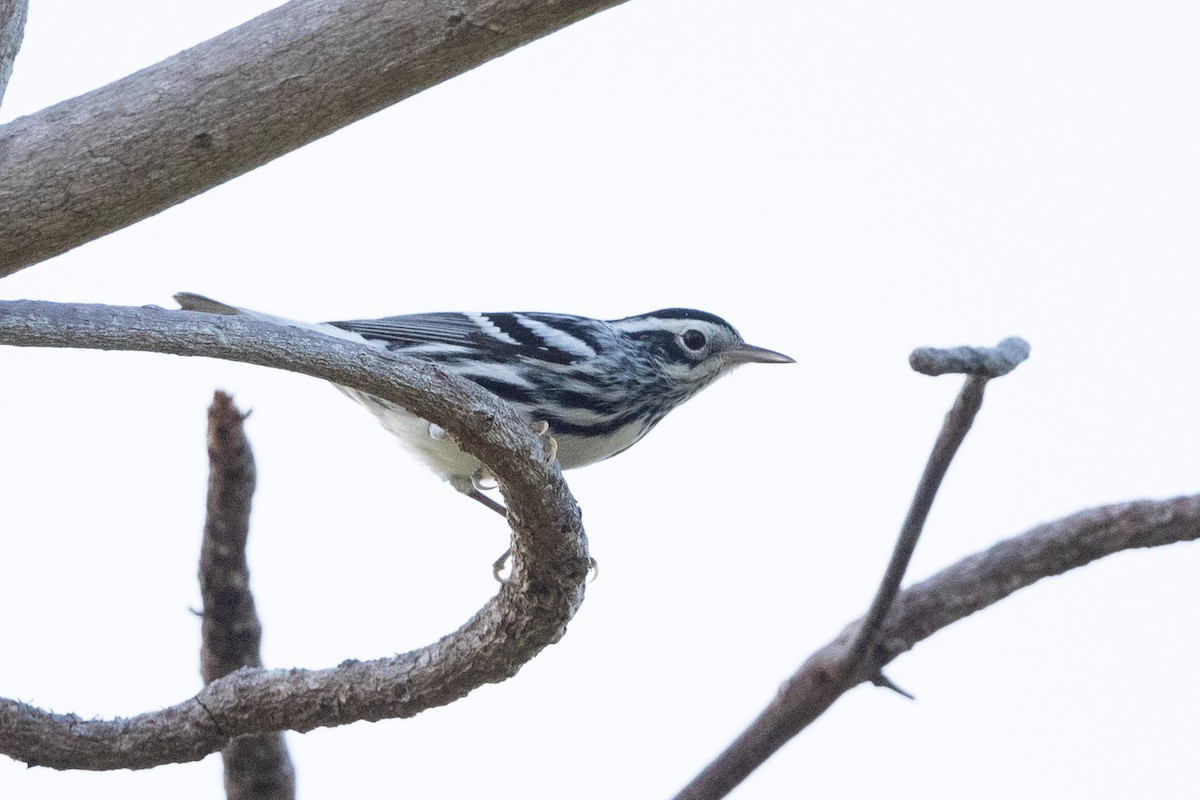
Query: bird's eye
{"type": "Point", "coordinates": [694, 340]}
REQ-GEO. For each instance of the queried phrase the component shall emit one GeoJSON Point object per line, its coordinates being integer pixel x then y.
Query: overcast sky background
{"type": "Point", "coordinates": [843, 182]}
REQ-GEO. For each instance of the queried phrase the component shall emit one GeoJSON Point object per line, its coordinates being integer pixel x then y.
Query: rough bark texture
{"type": "Point", "coordinates": [256, 767]}
{"type": "Point", "coordinates": [12, 30]}
{"type": "Point", "coordinates": [98, 162]}
{"type": "Point", "coordinates": [230, 631]}
{"type": "Point", "coordinates": [954, 593]}
{"type": "Point", "coordinates": [531, 611]}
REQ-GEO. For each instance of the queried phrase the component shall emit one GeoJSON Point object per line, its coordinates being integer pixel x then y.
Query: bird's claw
{"type": "Point", "coordinates": [499, 564]}
{"type": "Point", "coordinates": [549, 443]}
{"type": "Point", "coordinates": [482, 479]}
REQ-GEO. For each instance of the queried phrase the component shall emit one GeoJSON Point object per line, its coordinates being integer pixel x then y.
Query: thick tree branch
{"type": "Point", "coordinates": [954, 593]}
{"type": "Point", "coordinates": [531, 611]}
{"type": "Point", "coordinates": [256, 767]}
{"type": "Point", "coordinates": [12, 31]}
{"type": "Point", "coordinates": [96, 163]}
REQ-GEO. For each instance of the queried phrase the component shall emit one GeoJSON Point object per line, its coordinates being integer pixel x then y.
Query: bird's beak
{"type": "Point", "coordinates": [749, 354]}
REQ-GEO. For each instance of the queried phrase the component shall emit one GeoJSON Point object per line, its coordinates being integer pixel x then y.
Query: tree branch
{"type": "Point", "coordinates": [989, 362]}
{"type": "Point", "coordinates": [980, 364]}
{"type": "Point", "coordinates": [99, 162]}
{"type": "Point", "coordinates": [256, 767]}
{"type": "Point", "coordinates": [12, 31]}
{"type": "Point", "coordinates": [954, 431]}
{"type": "Point", "coordinates": [956, 592]}
{"type": "Point", "coordinates": [230, 632]}
{"type": "Point", "coordinates": [531, 611]}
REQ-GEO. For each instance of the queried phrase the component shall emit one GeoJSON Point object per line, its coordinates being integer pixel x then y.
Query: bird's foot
{"type": "Point", "coordinates": [482, 480]}
{"type": "Point", "coordinates": [549, 443]}
{"type": "Point", "coordinates": [500, 563]}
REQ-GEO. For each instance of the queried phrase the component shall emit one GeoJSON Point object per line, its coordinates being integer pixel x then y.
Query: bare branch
{"type": "Point", "coordinates": [980, 364]}
{"type": "Point", "coordinates": [259, 768]}
{"type": "Point", "coordinates": [531, 611]}
{"type": "Point", "coordinates": [256, 767]}
{"type": "Point", "coordinates": [12, 31]}
{"type": "Point", "coordinates": [991, 362]}
{"type": "Point", "coordinates": [231, 633]}
{"type": "Point", "coordinates": [958, 423]}
{"type": "Point", "coordinates": [96, 163]}
{"type": "Point", "coordinates": [956, 592]}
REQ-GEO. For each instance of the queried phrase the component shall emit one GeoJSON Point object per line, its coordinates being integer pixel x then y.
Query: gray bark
{"type": "Point", "coordinates": [256, 767]}
{"type": "Point", "coordinates": [99, 162]}
{"type": "Point", "coordinates": [531, 610]}
{"type": "Point", "coordinates": [925, 608]}
{"type": "Point", "coordinates": [12, 30]}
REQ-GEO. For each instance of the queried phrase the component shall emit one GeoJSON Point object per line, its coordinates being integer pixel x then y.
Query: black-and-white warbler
{"type": "Point", "coordinates": [599, 386]}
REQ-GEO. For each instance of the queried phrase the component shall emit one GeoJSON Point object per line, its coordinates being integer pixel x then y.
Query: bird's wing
{"type": "Point", "coordinates": [415, 329]}
{"type": "Point", "coordinates": [555, 338]}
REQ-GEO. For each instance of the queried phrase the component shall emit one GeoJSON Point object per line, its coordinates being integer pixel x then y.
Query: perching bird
{"type": "Point", "coordinates": [599, 386]}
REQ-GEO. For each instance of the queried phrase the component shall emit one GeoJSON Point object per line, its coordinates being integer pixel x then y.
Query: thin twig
{"type": "Point", "coordinates": [256, 767]}
{"type": "Point", "coordinates": [954, 431]}
{"type": "Point", "coordinates": [836, 668]}
{"type": "Point", "coordinates": [980, 364]}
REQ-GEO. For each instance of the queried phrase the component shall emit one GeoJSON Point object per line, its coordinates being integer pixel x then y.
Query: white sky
{"type": "Point", "coordinates": [843, 182]}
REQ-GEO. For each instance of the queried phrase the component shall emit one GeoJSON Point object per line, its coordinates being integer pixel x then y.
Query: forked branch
{"type": "Point", "coordinates": [923, 609]}
{"type": "Point", "coordinates": [851, 659]}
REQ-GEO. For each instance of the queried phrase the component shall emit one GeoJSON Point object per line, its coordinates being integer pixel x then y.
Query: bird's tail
{"type": "Point", "coordinates": [198, 302]}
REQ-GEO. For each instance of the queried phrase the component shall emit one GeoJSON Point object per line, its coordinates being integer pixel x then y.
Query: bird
{"type": "Point", "coordinates": [593, 387]}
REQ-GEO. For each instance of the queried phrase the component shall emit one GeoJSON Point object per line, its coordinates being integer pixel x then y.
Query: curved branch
{"type": "Point", "coordinates": [12, 31]}
{"type": "Point", "coordinates": [921, 610]}
{"type": "Point", "coordinates": [530, 612]}
{"type": "Point", "coordinates": [98, 162]}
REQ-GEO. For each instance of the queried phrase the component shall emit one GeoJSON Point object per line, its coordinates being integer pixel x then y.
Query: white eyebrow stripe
{"type": "Point", "coordinates": [490, 328]}
{"type": "Point", "coordinates": [638, 324]}
{"type": "Point", "coordinates": [556, 338]}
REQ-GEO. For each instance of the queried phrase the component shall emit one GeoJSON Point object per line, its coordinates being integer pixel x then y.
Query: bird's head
{"type": "Point", "coordinates": [693, 348]}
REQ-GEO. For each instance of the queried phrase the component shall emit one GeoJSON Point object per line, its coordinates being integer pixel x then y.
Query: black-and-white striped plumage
{"type": "Point", "coordinates": [599, 385]}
